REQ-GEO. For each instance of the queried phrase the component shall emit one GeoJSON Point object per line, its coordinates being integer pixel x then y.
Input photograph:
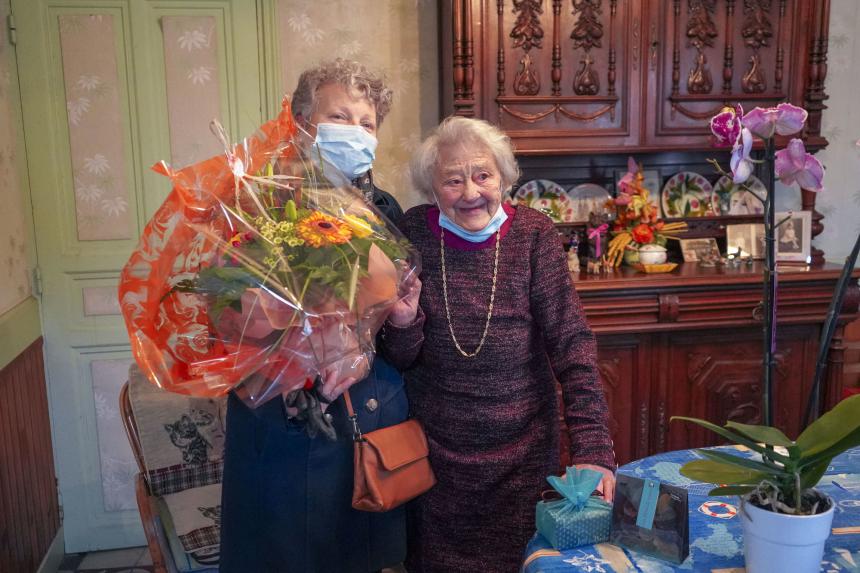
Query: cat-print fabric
{"type": "Point", "coordinates": [196, 517]}
{"type": "Point", "coordinates": [176, 430]}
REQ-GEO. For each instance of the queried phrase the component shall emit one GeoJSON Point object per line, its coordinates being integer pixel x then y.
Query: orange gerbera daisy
{"type": "Point", "coordinates": [319, 230]}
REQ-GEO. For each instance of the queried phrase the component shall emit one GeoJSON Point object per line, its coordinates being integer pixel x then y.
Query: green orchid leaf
{"type": "Point", "coordinates": [831, 428]}
{"type": "Point", "coordinates": [735, 438]}
{"type": "Point", "coordinates": [711, 471]}
{"type": "Point", "coordinates": [765, 434]}
{"type": "Point", "coordinates": [739, 461]}
{"type": "Point", "coordinates": [732, 490]}
{"type": "Point", "coordinates": [850, 441]}
{"type": "Point", "coordinates": [811, 475]}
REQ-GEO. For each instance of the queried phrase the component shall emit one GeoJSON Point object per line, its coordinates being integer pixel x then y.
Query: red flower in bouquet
{"type": "Point", "coordinates": [642, 233]}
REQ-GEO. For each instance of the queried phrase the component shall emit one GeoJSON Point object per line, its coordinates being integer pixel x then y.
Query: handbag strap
{"type": "Point", "coordinates": [356, 431]}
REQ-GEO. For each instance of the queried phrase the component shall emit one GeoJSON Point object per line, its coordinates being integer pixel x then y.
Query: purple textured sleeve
{"type": "Point", "coordinates": [400, 345]}
{"type": "Point", "coordinates": [572, 350]}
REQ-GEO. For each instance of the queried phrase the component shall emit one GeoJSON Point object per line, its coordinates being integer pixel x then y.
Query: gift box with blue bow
{"type": "Point", "coordinates": [578, 518]}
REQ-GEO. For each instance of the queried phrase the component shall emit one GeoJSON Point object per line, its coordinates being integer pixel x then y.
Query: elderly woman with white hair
{"type": "Point", "coordinates": [498, 321]}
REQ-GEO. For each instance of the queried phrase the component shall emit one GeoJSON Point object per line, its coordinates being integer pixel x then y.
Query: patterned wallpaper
{"type": "Point", "coordinates": [14, 221]}
{"type": "Point", "coordinates": [840, 201]}
{"type": "Point", "coordinates": [398, 37]}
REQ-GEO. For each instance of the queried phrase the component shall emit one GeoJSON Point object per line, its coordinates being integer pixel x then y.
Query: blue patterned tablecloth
{"type": "Point", "coordinates": [716, 543]}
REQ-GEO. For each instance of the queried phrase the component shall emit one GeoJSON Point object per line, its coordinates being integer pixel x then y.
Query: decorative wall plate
{"type": "Point", "coordinates": [546, 196]}
{"type": "Point", "coordinates": [587, 198]}
{"type": "Point", "coordinates": [732, 199]}
{"type": "Point", "coordinates": [687, 194]}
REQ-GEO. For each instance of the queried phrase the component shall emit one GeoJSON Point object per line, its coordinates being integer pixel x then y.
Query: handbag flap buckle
{"type": "Point", "coordinates": [399, 445]}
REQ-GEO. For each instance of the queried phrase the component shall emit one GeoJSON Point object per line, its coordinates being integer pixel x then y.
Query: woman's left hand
{"type": "Point", "coordinates": [607, 484]}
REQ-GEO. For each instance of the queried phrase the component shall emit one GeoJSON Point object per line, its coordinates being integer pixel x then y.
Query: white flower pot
{"type": "Point", "coordinates": [778, 542]}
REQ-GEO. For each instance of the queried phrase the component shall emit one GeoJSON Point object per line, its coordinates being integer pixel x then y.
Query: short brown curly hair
{"type": "Point", "coordinates": [348, 73]}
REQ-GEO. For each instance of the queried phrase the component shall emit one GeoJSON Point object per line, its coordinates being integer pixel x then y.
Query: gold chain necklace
{"type": "Point", "coordinates": [445, 295]}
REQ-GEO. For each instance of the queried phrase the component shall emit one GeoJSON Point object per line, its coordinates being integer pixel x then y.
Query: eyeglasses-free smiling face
{"type": "Point", "coordinates": [467, 185]}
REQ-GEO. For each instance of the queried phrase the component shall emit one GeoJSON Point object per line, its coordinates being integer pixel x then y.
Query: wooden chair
{"type": "Point", "coordinates": [159, 549]}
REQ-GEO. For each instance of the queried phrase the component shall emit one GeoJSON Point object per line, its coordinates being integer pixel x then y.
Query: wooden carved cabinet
{"type": "Point", "coordinates": [578, 76]}
{"type": "Point", "coordinates": [689, 343]}
{"type": "Point", "coordinates": [705, 54]}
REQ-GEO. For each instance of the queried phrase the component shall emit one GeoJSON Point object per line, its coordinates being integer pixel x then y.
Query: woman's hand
{"type": "Point", "coordinates": [607, 483]}
{"type": "Point", "coordinates": [406, 309]}
{"type": "Point", "coordinates": [332, 388]}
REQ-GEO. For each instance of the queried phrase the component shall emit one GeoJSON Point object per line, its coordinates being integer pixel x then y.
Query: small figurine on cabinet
{"type": "Point", "coordinates": [573, 255]}
{"type": "Point", "coordinates": [596, 232]}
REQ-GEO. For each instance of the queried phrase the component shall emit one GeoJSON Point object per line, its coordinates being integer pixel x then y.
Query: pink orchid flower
{"type": "Point", "coordinates": [726, 126]}
{"type": "Point", "coordinates": [784, 119]}
{"type": "Point", "coordinates": [794, 164]}
{"type": "Point", "coordinates": [741, 164]}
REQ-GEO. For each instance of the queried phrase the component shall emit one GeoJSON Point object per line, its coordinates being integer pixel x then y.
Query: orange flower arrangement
{"type": "Point", "coordinates": [637, 223]}
{"type": "Point", "coordinates": [319, 229]}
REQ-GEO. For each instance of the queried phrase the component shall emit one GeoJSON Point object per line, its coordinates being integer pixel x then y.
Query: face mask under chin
{"type": "Point", "coordinates": [493, 225]}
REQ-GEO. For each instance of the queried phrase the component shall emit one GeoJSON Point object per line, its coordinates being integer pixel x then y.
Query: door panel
{"type": "Point", "coordinates": [106, 86]}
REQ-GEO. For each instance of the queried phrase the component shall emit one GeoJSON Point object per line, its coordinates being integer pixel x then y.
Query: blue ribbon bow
{"type": "Point", "coordinates": [576, 487]}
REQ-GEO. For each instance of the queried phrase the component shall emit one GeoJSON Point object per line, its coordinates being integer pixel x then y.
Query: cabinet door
{"type": "Point", "coordinates": [717, 376]}
{"type": "Point", "coordinates": [706, 54]}
{"type": "Point", "coordinates": [624, 365]}
{"type": "Point", "coordinates": [556, 76]}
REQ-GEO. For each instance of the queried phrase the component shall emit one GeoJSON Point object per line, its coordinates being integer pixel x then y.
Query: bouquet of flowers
{"type": "Point", "coordinates": [637, 223]}
{"type": "Point", "coordinates": [262, 270]}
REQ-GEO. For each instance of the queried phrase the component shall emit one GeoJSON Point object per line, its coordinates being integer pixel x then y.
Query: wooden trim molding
{"type": "Point", "coordinates": [29, 508]}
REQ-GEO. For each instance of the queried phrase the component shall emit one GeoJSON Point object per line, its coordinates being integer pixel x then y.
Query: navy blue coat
{"type": "Point", "coordinates": [286, 498]}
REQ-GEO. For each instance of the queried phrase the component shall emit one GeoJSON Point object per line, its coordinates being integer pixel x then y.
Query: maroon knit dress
{"type": "Point", "coordinates": [491, 420]}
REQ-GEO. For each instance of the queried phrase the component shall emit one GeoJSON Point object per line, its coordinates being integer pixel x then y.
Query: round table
{"type": "Point", "coordinates": [716, 539]}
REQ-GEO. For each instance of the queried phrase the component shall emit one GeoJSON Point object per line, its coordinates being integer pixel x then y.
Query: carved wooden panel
{"type": "Point", "coordinates": [550, 72]}
{"type": "Point", "coordinates": [585, 76]}
{"type": "Point", "coordinates": [717, 376]}
{"type": "Point", "coordinates": [709, 53]}
{"type": "Point", "coordinates": [623, 364]}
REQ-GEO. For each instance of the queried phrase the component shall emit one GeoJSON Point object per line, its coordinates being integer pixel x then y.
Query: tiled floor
{"type": "Point", "coordinates": [133, 560]}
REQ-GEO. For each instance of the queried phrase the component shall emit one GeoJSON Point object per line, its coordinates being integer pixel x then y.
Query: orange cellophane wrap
{"type": "Point", "coordinates": [286, 332]}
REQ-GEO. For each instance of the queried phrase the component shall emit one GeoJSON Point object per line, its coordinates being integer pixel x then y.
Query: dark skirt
{"type": "Point", "coordinates": [286, 499]}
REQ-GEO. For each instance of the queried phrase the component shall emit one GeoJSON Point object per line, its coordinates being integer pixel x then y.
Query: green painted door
{"type": "Point", "coordinates": [109, 87]}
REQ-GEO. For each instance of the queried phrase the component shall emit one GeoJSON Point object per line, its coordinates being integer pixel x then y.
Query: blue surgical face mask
{"type": "Point", "coordinates": [494, 224]}
{"type": "Point", "coordinates": [349, 148]}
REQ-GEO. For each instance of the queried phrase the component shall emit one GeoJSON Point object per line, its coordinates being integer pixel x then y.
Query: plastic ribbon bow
{"type": "Point", "coordinates": [576, 487]}
{"type": "Point", "coordinates": [595, 234]}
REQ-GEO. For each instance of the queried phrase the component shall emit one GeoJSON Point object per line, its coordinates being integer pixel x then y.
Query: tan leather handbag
{"type": "Point", "coordinates": [391, 464]}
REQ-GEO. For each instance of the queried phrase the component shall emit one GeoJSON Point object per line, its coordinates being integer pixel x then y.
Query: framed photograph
{"type": "Point", "coordinates": [794, 237]}
{"type": "Point", "coordinates": [651, 181]}
{"type": "Point", "coordinates": [699, 249]}
{"type": "Point", "coordinates": [749, 239]}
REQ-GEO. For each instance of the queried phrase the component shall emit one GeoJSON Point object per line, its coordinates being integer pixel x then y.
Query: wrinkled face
{"type": "Point", "coordinates": [334, 104]}
{"type": "Point", "coordinates": [467, 185]}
